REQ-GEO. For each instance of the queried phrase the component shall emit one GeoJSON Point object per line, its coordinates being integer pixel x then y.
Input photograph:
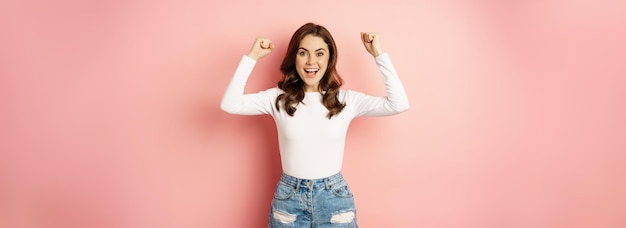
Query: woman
{"type": "Point", "coordinates": [312, 116]}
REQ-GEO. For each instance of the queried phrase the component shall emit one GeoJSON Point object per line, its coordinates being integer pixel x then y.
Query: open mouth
{"type": "Point", "coordinates": [311, 72]}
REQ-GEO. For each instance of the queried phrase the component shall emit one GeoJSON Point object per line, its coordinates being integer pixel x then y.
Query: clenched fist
{"type": "Point", "coordinates": [260, 48]}
{"type": "Point", "coordinates": [371, 41]}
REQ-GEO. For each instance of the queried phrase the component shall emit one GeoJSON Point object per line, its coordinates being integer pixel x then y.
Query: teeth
{"type": "Point", "coordinates": [311, 70]}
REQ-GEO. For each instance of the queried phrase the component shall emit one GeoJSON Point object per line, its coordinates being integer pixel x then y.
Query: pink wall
{"type": "Point", "coordinates": [110, 113]}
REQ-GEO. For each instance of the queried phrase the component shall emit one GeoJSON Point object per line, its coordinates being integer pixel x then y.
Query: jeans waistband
{"type": "Point", "coordinates": [326, 182]}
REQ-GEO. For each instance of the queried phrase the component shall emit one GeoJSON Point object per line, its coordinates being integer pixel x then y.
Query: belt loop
{"type": "Point", "coordinates": [326, 184]}
{"type": "Point", "coordinates": [298, 183]}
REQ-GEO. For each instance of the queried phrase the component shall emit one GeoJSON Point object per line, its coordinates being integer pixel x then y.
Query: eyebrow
{"type": "Point", "coordinates": [320, 49]}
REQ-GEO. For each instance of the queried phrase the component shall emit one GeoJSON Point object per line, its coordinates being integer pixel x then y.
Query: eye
{"type": "Point", "coordinates": [320, 54]}
{"type": "Point", "coordinates": [302, 53]}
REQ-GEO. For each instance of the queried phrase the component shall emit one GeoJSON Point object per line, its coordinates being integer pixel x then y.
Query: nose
{"type": "Point", "coordinates": [310, 60]}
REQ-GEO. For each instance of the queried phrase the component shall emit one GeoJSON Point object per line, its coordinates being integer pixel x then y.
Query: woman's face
{"type": "Point", "coordinates": [312, 61]}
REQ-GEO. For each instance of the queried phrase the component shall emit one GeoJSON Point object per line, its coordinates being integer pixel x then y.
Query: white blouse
{"type": "Point", "coordinates": [311, 145]}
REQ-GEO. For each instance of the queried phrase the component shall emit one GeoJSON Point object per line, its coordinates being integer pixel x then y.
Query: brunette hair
{"type": "Point", "coordinates": [292, 84]}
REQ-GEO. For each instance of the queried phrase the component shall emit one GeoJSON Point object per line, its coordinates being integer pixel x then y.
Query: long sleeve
{"type": "Point", "coordinates": [396, 100]}
{"type": "Point", "coordinates": [236, 102]}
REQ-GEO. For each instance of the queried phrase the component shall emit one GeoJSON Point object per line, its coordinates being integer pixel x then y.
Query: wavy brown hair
{"type": "Point", "coordinates": [292, 84]}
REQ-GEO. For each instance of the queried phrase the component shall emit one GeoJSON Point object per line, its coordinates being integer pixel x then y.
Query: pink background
{"type": "Point", "coordinates": [110, 112]}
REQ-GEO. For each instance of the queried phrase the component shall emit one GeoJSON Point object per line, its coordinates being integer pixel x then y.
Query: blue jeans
{"type": "Point", "coordinates": [326, 202]}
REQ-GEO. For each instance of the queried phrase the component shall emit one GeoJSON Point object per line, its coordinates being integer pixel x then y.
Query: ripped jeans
{"type": "Point", "coordinates": [326, 202]}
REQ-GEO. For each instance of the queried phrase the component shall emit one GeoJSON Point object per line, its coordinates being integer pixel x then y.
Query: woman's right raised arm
{"type": "Point", "coordinates": [234, 100]}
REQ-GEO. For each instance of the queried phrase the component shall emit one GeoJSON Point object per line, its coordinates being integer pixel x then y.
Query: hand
{"type": "Point", "coordinates": [371, 41]}
{"type": "Point", "coordinates": [260, 48]}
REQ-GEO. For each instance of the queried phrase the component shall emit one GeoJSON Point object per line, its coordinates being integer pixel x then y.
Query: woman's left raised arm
{"type": "Point", "coordinates": [396, 100]}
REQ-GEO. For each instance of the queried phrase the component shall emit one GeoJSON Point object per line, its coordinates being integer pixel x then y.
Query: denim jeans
{"type": "Point", "coordinates": [326, 202]}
